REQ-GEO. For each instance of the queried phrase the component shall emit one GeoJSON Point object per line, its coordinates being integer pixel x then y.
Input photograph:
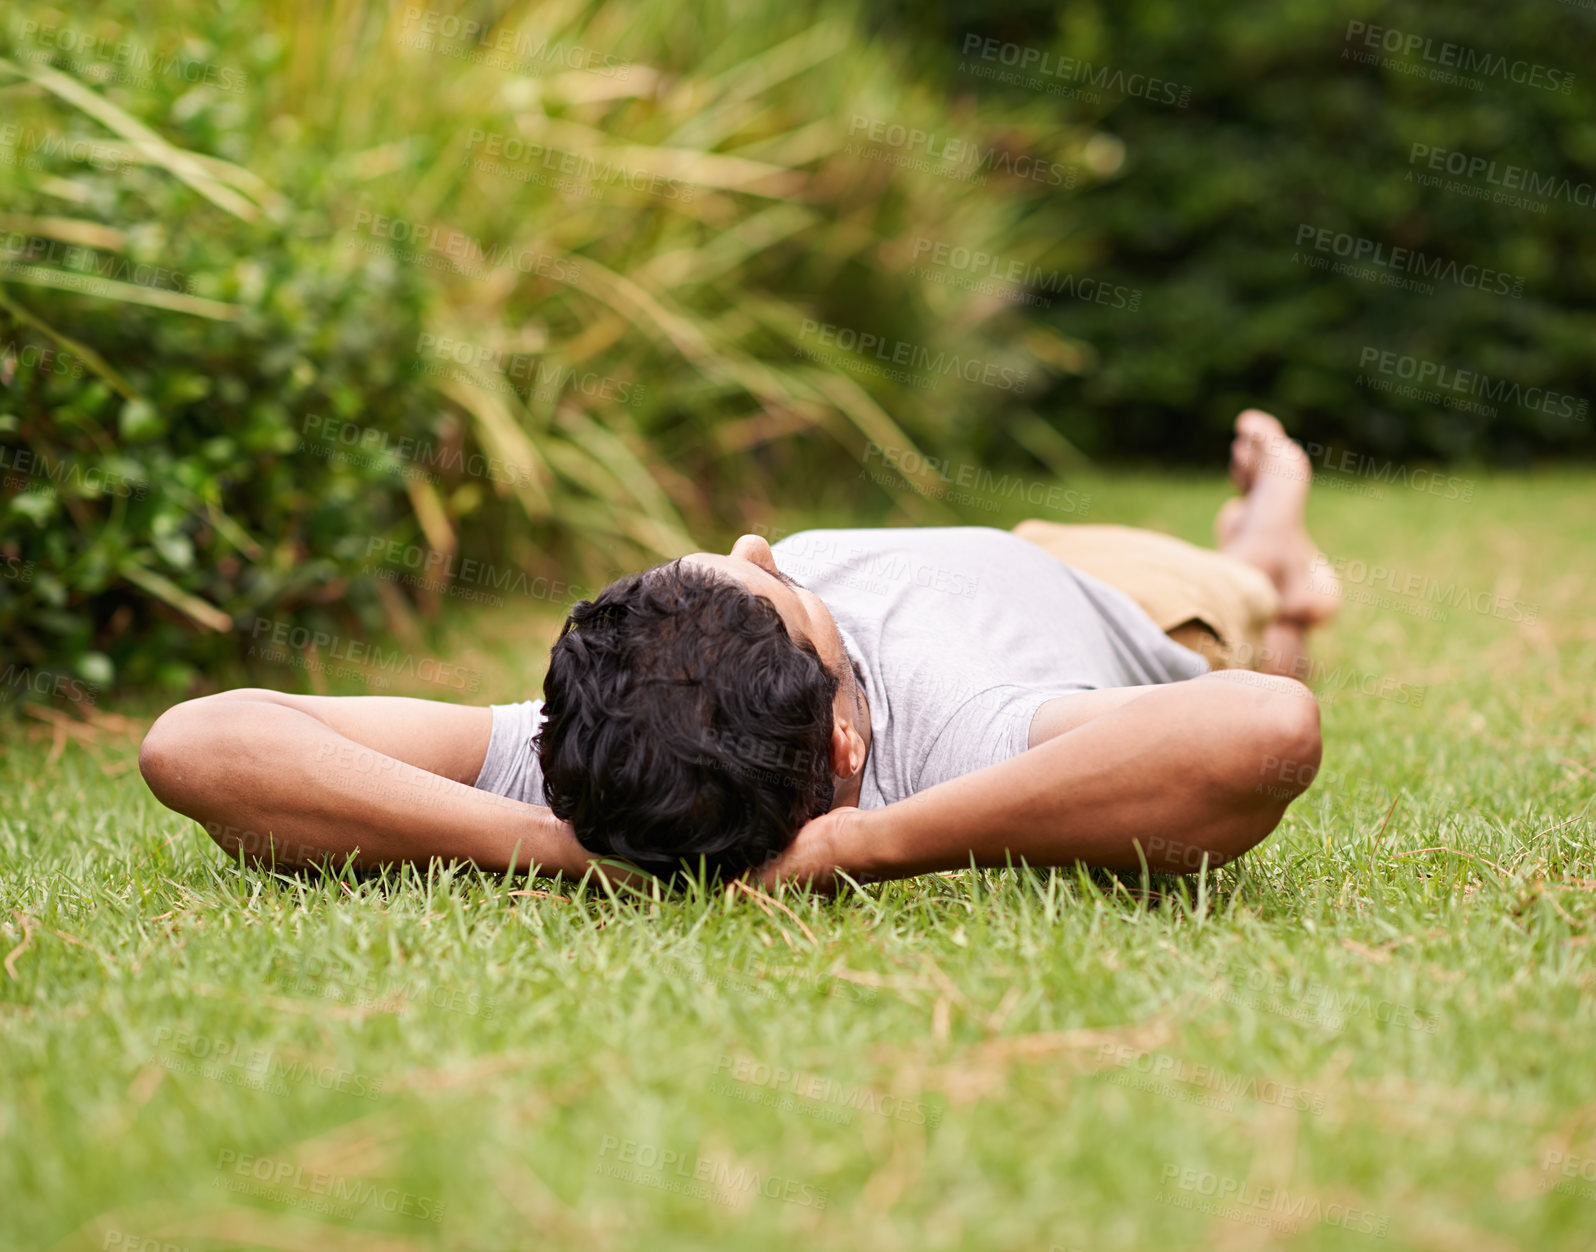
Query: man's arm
{"type": "Point", "coordinates": [293, 780]}
{"type": "Point", "coordinates": [1167, 773]}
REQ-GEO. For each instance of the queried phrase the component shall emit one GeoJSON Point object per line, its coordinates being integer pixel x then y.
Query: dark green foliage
{"type": "Point", "coordinates": [201, 479]}
{"type": "Point", "coordinates": [1283, 130]}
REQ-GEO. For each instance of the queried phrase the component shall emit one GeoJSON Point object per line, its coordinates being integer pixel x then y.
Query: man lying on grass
{"type": "Point", "coordinates": [881, 702]}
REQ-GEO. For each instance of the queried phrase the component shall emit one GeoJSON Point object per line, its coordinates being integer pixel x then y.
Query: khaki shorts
{"type": "Point", "coordinates": [1211, 603]}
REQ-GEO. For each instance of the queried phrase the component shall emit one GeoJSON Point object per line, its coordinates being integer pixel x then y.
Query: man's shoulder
{"type": "Point", "coordinates": [961, 552]}
{"type": "Point", "coordinates": [897, 561]}
{"type": "Point", "coordinates": [888, 537]}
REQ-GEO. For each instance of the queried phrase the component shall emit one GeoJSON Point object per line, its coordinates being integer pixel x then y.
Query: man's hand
{"type": "Point", "coordinates": [838, 840]}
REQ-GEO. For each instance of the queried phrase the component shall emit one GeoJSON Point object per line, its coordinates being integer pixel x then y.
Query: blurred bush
{"type": "Point", "coordinates": [1273, 124]}
{"type": "Point", "coordinates": [296, 301]}
{"type": "Point", "coordinates": [556, 287]}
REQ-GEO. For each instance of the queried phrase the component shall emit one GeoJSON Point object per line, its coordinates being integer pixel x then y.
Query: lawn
{"type": "Point", "coordinates": [1376, 1027]}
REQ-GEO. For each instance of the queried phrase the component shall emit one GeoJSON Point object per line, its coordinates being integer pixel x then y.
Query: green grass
{"type": "Point", "coordinates": [1387, 1007]}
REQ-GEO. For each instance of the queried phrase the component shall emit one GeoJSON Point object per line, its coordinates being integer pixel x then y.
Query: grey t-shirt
{"type": "Point", "coordinates": [511, 767]}
{"type": "Point", "coordinates": [960, 633]}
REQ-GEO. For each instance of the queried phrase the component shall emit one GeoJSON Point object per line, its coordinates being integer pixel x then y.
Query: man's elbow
{"type": "Point", "coordinates": [176, 748]}
{"type": "Point", "coordinates": [1268, 765]}
{"type": "Point", "coordinates": [1290, 743]}
{"type": "Point", "coordinates": [166, 747]}
{"type": "Point", "coordinates": [183, 761]}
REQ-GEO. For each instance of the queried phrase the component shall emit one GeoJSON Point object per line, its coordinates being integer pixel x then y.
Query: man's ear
{"type": "Point", "coordinates": [847, 750]}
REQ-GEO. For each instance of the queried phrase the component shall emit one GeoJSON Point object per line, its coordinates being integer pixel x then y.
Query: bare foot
{"type": "Point", "coordinates": [1228, 521]}
{"type": "Point", "coordinates": [1268, 527]}
{"type": "Point", "coordinates": [1285, 650]}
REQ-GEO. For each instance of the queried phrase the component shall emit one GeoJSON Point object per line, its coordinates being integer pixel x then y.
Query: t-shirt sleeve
{"type": "Point", "coordinates": [991, 727]}
{"type": "Point", "coordinates": [511, 766]}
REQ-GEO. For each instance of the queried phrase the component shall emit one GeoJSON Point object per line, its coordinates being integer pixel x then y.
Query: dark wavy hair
{"type": "Point", "coordinates": [683, 723]}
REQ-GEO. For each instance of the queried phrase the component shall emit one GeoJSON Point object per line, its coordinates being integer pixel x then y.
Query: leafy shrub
{"type": "Point", "coordinates": [548, 296]}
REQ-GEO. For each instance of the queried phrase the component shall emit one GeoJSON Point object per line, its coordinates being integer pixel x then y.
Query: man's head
{"type": "Point", "coordinates": [705, 708]}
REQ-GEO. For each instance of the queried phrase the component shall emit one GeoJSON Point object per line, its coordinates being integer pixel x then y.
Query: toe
{"type": "Point", "coordinates": [1255, 423]}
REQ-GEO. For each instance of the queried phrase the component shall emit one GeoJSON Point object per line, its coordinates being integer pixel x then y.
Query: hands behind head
{"type": "Point", "coordinates": [816, 853]}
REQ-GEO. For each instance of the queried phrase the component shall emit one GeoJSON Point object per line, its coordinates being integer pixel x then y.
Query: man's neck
{"type": "Point", "coordinates": [847, 795]}
{"type": "Point", "coordinates": [849, 790]}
